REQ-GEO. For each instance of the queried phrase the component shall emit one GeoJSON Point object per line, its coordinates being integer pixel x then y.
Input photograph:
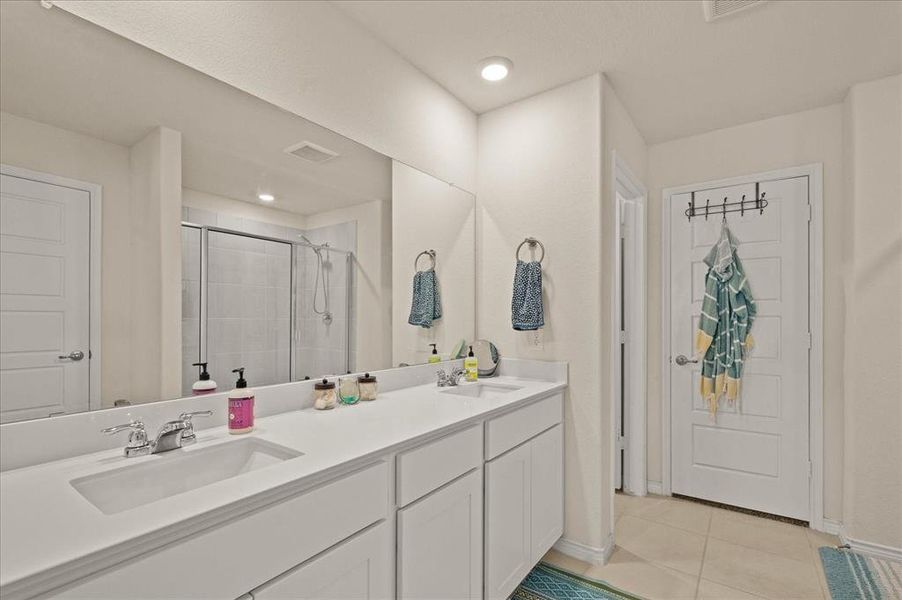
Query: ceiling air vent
{"type": "Point", "coordinates": [311, 152]}
{"type": "Point", "coordinates": [715, 9]}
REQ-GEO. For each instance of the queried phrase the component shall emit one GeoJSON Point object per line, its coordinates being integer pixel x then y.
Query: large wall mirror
{"type": "Point", "coordinates": [153, 217]}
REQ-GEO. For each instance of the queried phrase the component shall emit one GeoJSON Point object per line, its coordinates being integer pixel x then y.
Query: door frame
{"type": "Point", "coordinates": [814, 172]}
{"type": "Point", "coordinates": [628, 186]}
{"type": "Point", "coordinates": [95, 254]}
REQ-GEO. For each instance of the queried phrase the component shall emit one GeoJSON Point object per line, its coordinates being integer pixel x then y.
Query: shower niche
{"type": "Point", "coordinates": [275, 300]}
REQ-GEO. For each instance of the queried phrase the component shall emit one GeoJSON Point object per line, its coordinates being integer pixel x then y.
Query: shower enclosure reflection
{"type": "Point", "coordinates": [267, 298]}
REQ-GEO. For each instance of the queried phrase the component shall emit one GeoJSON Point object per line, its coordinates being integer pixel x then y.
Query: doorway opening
{"type": "Point", "coordinates": [628, 351]}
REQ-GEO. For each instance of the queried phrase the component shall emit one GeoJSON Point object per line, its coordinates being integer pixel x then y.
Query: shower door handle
{"type": "Point", "coordinates": [75, 355]}
{"type": "Point", "coordinates": [682, 360]}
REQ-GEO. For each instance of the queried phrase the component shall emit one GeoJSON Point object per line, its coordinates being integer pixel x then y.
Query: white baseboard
{"type": "Point", "coordinates": [830, 526]}
{"type": "Point", "coordinates": [589, 554]}
{"type": "Point", "coordinates": [872, 549]}
{"type": "Point", "coordinates": [655, 487]}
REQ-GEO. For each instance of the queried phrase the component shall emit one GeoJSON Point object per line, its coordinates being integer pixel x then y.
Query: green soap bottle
{"type": "Point", "coordinates": [434, 357]}
{"type": "Point", "coordinates": [471, 366]}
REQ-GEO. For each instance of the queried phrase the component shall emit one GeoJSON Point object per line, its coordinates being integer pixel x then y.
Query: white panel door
{"type": "Point", "coordinates": [44, 299]}
{"type": "Point", "coordinates": [755, 455]}
{"type": "Point", "coordinates": [358, 569]}
{"type": "Point", "coordinates": [508, 516]}
{"type": "Point", "coordinates": [440, 543]}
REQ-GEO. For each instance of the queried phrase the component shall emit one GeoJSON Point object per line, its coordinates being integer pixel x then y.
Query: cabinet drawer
{"type": "Point", "coordinates": [238, 556]}
{"type": "Point", "coordinates": [512, 429]}
{"type": "Point", "coordinates": [432, 465]}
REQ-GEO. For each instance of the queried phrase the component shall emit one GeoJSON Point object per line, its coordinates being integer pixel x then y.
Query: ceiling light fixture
{"type": "Point", "coordinates": [495, 68]}
{"type": "Point", "coordinates": [266, 197]}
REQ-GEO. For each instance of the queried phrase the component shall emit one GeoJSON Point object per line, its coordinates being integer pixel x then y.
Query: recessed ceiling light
{"type": "Point", "coordinates": [495, 68]}
{"type": "Point", "coordinates": [266, 197]}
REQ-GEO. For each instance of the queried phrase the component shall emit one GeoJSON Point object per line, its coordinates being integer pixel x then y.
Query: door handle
{"type": "Point", "coordinates": [75, 355]}
{"type": "Point", "coordinates": [682, 360]}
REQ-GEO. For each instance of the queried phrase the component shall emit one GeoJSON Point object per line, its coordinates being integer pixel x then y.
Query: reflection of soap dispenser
{"type": "Point", "coordinates": [203, 385]}
{"type": "Point", "coordinates": [241, 405]}
{"type": "Point", "coordinates": [471, 366]}
{"type": "Point", "coordinates": [434, 357]}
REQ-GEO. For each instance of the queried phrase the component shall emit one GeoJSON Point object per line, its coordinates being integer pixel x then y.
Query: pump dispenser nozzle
{"type": "Point", "coordinates": [241, 383]}
{"type": "Point", "coordinates": [204, 376]}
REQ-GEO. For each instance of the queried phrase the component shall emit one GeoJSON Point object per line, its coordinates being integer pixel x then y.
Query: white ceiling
{"type": "Point", "coordinates": [61, 70]}
{"type": "Point", "coordinates": [677, 74]}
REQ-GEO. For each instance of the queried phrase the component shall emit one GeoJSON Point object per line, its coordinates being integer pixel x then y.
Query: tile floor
{"type": "Point", "coordinates": [671, 548]}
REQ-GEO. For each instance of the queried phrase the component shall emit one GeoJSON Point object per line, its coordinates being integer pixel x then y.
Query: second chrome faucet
{"type": "Point", "coordinates": [172, 435]}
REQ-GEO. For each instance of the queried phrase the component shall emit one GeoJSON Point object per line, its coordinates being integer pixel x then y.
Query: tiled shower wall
{"type": "Point", "coordinates": [249, 302]}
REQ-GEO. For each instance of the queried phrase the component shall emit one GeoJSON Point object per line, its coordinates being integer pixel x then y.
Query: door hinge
{"type": "Point", "coordinates": [623, 337]}
{"type": "Point", "coordinates": [809, 469]}
{"type": "Point", "coordinates": [809, 213]}
{"type": "Point", "coordinates": [809, 340]}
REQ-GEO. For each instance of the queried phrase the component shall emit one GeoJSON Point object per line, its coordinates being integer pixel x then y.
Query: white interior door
{"type": "Point", "coordinates": [755, 455]}
{"type": "Point", "coordinates": [44, 299]}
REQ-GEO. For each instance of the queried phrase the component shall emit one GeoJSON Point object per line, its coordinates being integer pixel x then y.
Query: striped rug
{"type": "Point", "coordinates": [854, 576]}
{"type": "Point", "coordinates": [546, 582]}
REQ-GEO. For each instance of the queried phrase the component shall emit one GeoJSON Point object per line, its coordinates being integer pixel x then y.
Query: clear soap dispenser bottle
{"type": "Point", "coordinates": [434, 357]}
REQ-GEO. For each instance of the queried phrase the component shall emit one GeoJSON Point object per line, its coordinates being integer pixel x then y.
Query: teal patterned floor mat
{"type": "Point", "coordinates": [854, 576]}
{"type": "Point", "coordinates": [546, 582]}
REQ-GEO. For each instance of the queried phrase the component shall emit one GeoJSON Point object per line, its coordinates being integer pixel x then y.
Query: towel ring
{"type": "Point", "coordinates": [430, 253]}
{"type": "Point", "coordinates": [533, 242]}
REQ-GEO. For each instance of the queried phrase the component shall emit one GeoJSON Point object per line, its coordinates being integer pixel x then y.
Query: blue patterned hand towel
{"type": "Point", "coordinates": [426, 305]}
{"type": "Point", "coordinates": [527, 312]}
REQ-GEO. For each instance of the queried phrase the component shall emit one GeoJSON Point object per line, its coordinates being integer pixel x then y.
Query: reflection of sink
{"type": "Point", "coordinates": [178, 471]}
{"type": "Point", "coordinates": [481, 390]}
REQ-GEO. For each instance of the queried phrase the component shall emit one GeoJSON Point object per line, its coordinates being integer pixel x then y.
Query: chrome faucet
{"type": "Point", "coordinates": [172, 435]}
{"type": "Point", "coordinates": [446, 380]}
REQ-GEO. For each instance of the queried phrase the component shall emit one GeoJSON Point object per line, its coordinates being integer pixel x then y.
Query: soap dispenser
{"type": "Point", "coordinates": [203, 385]}
{"type": "Point", "coordinates": [241, 405]}
{"type": "Point", "coordinates": [434, 357]}
{"type": "Point", "coordinates": [471, 366]}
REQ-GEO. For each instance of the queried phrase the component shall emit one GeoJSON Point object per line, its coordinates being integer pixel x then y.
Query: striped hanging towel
{"type": "Point", "coordinates": [723, 335]}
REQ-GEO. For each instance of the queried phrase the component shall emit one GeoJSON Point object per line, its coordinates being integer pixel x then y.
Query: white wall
{"type": "Point", "coordinates": [372, 319]}
{"type": "Point", "coordinates": [49, 149]}
{"type": "Point", "coordinates": [872, 499]}
{"type": "Point", "coordinates": [539, 174]}
{"type": "Point", "coordinates": [311, 59]}
{"type": "Point", "coordinates": [240, 209]}
{"type": "Point", "coordinates": [796, 139]}
{"type": "Point", "coordinates": [430, 214]}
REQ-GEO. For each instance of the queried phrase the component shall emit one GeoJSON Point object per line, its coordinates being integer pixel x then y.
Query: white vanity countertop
{"type": "Point", "coordinates": [47, 526]}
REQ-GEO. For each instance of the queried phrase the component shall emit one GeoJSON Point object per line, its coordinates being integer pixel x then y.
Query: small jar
{"type": "Point", "coordinates": [324, 395]}
{"type": "Point", "coordinates": [369, 388]}
{"type": "Point", "coordinates": [348, 390]}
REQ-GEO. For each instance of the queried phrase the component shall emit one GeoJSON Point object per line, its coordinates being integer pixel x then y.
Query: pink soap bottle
{"type": "Point", "coordinates": [241, 406]}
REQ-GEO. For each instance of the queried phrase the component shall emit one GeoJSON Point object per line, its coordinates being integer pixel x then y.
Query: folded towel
{"type": "Point", "coordinates": [527, 312]}
{"type": "Point", "coordinates": [426, 305]}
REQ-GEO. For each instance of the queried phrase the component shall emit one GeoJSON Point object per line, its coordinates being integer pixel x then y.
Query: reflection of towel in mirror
{"type": "Point", "coordinates": [426, 305]}
{"type": "Point", "coordinates": [527, 312]}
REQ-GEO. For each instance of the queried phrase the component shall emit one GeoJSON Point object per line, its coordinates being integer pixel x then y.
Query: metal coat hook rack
{"type": "Point", "coordinates": [759, 204]}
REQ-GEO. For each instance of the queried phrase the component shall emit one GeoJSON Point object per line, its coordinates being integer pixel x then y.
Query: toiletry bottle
{"type": "Point", "coordinates": [434, 357]}
{"type": "Point", "coordinates": [241, 406]}
{"type": "Point", "coordinates": [471, 366]}
{"type": "Point", "coordinates": [203, 385]}
{"type": "Point", "coordinates": [369, 387]}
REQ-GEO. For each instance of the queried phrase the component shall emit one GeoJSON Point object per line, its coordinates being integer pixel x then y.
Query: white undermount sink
{"type": "Point", "coordinates": [178, 471]}
{"type": "Point", "coordinates": [480, 390]}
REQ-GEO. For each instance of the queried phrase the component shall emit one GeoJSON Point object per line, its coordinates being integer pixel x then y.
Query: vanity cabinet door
{"type": "Point", "coordinates": [547, 497]}
{"type": "Point", "coordinates": [508, 555]}
{"type": "Point", "coordinates": [440, 543]}
{"type": "Point", "coordinates": [360, 567]}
